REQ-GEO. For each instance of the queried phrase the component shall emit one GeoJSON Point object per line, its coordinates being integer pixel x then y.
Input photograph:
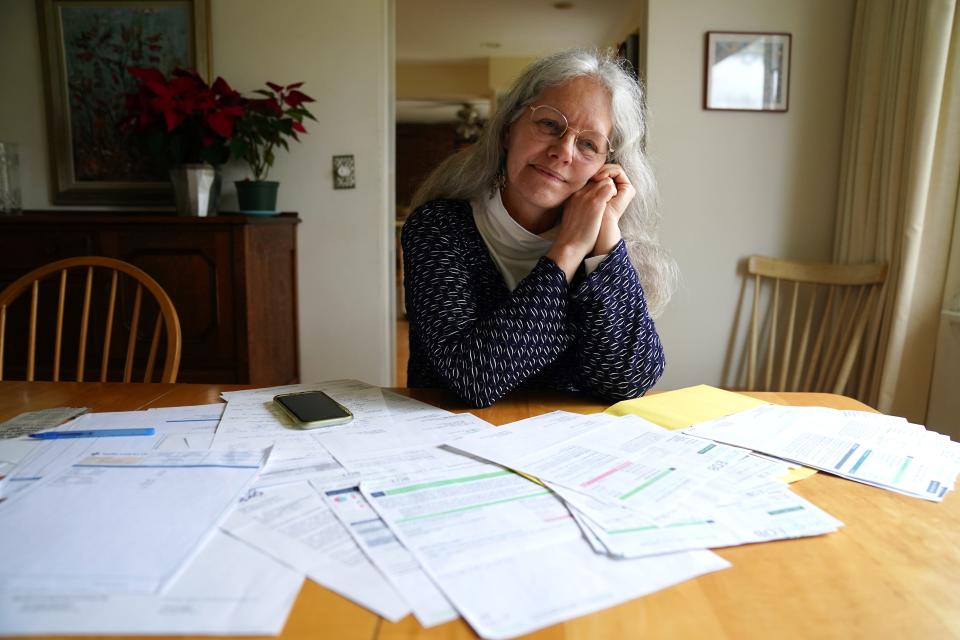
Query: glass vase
{"type": "Point", "coordinates": [9, 179]}
{"type": "Point", "coordinates": [196, 189]}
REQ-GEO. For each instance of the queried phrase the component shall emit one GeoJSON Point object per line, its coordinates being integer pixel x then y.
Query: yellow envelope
{"type": "Point", "coordinates": [684, 407]}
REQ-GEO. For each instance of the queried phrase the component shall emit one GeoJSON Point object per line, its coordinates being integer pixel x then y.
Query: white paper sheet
{"type": "Point", "coordinates": [394, 561]}
{"type": "Point", "coordinates": [625, 461]}
{"type": "Point", "coordinates": [288, 465]}
{"type": "Point", "coordinates": [119, 522]}
{"type": "Point", "coordinates": [185, 428]}
{"type": "Point", "coordinates": [506, 552]}
{"type": "Point", "coordinates": [884, 451]}
{"type": "Point", "coordinates": [33, 421]}
{"type": "Point", "coordinates": [252, 420]}
{"type": "Point", "coordinates": [425, 431]}
{"type": "Point", "coordinates": [293, 524]}
{"type": "Point", "coordinates": [229, 589]}
{"type": "Point", "coordinates": [772, 512]}
{"type": "Point", "coordinates": [517, 595]}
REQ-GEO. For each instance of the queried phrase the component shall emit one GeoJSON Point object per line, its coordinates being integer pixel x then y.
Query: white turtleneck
{"type": "Point", "coordinates": [514, 250]}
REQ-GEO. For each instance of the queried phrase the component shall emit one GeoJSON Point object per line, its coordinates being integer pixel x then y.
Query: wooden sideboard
{"type": "Point", "coordinates": [232, 278]}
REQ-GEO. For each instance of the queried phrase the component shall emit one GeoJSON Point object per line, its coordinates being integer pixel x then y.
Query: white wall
{"type": "Point", "coordinates": [343, 52]}
{"type": "Point", "coordinates": [735, 184]}
{"type": "Point", "coordinates": [21, 98]}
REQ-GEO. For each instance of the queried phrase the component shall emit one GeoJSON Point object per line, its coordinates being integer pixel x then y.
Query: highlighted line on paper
{"type": "Point", "coordinates": [674, 525]}
{"type": "Point", "coordinates": [903, 469]}
{"type": "Point", "coordinates": [472, 506]}
{"type": "Point", "coordinates": [607, 473]}
{"type": "Point", "coordinates": [644, 485]}
{"type": "Point", "coordinates": [863, 458]}
{"type": "Point", "coordinates": [440, 483]}
{"type": "Point", "coordinates": [847, 455]}
{"type": "Point", "coordinates": [777, 512]}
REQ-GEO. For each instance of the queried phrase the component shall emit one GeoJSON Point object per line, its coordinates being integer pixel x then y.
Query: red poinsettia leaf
{"type": "Point", "coordinates": [296, 98]}
{"type": "Point", "coordinates": [172, 118]}
{"type": "Point", "coordinates": [295, 85]}
{"type": "Point", "coordinates": [147, 74]}
{"type": "Point", "coordinates": [275, 87]}
{"type": "Point", "coordinates": [235, 111]}
{"type": "Point", "coordinates": [221, 123]}
{"type": "Point", "coordinates": [180, 72]}
{"type": "Point", "coordinates": [299, 127]}
{"type": "Point", "coordinates": [274, 106]}
{"type": "Point", "coordinates": [220, 86]}
{"type": "Point", "coordinates": [183, 85]}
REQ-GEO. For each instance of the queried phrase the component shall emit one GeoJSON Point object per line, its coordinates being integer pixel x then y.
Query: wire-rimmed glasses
{"type": "Point", "coordinates": [550, 122]}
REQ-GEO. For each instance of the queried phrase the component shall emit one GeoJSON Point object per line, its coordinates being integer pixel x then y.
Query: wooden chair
{"type": "Point", "coordinates": [813, 330]}
{"type": "Point", "coordinates": [99, 288]}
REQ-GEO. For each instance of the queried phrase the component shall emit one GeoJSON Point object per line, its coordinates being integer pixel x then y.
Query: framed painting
{"type": "Point", "coordinates": [746, 71]}
{"type": "Point", "coordinates": [87, 47]}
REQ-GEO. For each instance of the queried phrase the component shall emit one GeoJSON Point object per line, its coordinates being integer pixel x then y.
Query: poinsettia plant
{"type": "Point", "coordinates": [267, 123]}
{"type": "Point", "coordinates": [182, 119]}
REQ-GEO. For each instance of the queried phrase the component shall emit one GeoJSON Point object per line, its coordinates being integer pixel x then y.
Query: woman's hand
{"type": "Point", "coordinates": [590, 219]}
{"type": "Point", "coordinates": [609, 234]}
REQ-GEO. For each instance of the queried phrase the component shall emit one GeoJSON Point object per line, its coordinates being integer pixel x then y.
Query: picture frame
{"type": "Point", "coordinates": [86, 48]}
{"type": "Point", "coordinates": [747, 71]}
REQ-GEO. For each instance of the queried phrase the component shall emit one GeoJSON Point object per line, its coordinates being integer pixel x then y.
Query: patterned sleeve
{"type": "Point", "coordinates": [619, 354]}
{"type": "Point", "coordinates": [481, 352]}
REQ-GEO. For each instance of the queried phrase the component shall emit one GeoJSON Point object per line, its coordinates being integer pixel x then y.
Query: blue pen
{"type": "Point", "coordinates": [92, 433]}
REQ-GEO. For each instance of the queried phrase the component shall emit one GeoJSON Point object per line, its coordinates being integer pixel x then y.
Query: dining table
{"type": "Point", "coordinates": [891, 571]}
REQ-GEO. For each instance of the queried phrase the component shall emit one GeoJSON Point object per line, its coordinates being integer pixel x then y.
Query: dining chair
{"type": "Point", "coordinates": [807, 322]}
{"type": "Point", "coordinates": [99, 305]}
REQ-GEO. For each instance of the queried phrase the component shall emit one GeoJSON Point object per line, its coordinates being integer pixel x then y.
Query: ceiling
{"type": "Point", "coordinates": [425, 111]}
{"type": "Point", "coordinates": [435, 30]}
{"type": "Point", "coordinates": [457, 30]}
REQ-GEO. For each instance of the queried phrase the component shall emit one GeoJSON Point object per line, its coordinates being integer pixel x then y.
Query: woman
{"type": "Point", "coordinates": [524, 258]}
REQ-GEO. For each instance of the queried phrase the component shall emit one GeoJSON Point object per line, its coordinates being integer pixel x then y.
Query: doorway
{"type": "Point", "coordinates": [454, 57]}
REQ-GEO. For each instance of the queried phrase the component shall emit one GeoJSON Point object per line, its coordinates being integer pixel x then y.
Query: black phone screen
{"type": "Point", "coordinates": [313, 406]}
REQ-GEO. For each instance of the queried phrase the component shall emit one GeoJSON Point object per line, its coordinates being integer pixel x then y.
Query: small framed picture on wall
{"type": "Point", "coordinates": [746, 71]}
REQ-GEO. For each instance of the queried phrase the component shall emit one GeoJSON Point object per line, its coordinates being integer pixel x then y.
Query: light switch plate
{"type": "Point", "coordinates": [344, 173]}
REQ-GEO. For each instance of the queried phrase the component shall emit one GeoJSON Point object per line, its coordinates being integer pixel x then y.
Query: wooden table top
{"type": "Point", "coordinates": [893, 570]}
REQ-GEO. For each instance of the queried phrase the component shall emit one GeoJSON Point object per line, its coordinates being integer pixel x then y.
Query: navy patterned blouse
{"type": "Point", "coordinates": [469, 333]}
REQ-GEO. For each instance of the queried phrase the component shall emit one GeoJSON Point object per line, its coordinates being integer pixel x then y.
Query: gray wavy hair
{"type": "Point", "coordinates": [470, 173]}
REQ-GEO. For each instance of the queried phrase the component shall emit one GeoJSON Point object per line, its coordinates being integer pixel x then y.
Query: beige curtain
{"type": "Point", "coordinates": [900, 175]}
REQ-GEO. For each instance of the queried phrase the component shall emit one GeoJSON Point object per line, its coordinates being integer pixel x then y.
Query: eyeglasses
{"type": "Point", "coordinates": [550, 123]}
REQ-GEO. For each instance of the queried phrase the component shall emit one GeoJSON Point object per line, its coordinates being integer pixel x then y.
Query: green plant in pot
{"type": "Point", "coordinates": [268, 123]}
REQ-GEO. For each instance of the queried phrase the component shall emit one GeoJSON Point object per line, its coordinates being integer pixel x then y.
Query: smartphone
{"type": "Point", "coordinates": [312, 409]}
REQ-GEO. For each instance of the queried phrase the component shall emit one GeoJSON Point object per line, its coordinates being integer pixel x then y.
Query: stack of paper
{"type": "Point", "coordinates": [637, 489]}
{"type": "Point", "coordinates": [502, 550]}
{"type": "Point", "coordinates": [120, 534]}
{"type": "Point", "coordinates": [883, 451]}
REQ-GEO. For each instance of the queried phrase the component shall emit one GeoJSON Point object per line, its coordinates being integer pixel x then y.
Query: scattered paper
{"type": "Point", "coordinates": [119, 523]}
{"type": "Point", "coordinates": [34, 421]}
{"type": "Point", "coordinates": [884, 451]}
{"type": "Point", "coordinates": [229, 589]}
{"type": "Point", "coordinates": [293, 524]}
